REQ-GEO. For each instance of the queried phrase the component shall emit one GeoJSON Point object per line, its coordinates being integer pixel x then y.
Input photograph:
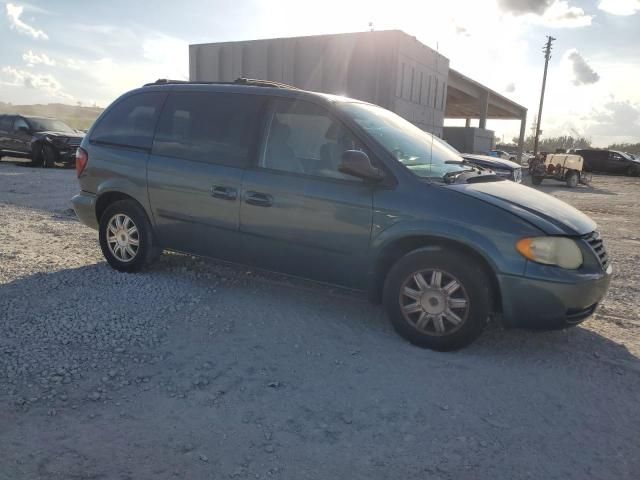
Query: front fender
{"type": "Point", "coordinates": [497, 250]}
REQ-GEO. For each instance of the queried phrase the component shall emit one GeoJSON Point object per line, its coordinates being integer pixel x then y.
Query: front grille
{"type": "Point", "coordinates": [595, 242]}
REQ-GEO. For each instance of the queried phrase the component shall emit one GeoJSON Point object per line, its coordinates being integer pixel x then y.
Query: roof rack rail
{"type": "Point", "coordinates": [253, 82]}
{"type": "Point", "coordinates": [263, 83]}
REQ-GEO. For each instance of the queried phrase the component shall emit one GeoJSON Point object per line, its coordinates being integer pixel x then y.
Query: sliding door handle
{"type": "Point", "coordinates": [258, 199]}
{"type": "Point", "coordinates": [225, 193]}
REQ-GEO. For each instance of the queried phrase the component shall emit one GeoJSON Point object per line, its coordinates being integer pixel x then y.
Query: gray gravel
{"type": "Point", "coordinates": [195, 369]}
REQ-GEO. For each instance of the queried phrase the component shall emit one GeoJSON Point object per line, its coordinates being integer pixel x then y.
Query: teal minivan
{"type": "Point", "coordinates": [338, 191]}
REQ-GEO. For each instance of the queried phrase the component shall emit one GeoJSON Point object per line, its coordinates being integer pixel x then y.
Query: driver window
{"type": "Point", "coordinates": [20, 122]}
{"type": "Point", "coordinates": [303, 138]}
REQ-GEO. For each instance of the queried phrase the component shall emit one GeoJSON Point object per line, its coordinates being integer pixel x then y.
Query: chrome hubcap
{"type": "Point", "coordinates": [123, 238]}
{"type": "Point", "coordinates": [434, 302]}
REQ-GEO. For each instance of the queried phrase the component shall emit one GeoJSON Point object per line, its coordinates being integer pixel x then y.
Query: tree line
{"type": "Point", "coordinates": [567, 142]}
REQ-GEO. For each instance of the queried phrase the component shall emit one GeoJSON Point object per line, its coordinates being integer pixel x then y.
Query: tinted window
{"type": "Point", "coordinates": [5, 123]}
{"type": "Point", "coordinates": [130, 123]}
{"type": "Point", "coordinates": [208, 127]}
{"type": "Point", "coordinates": [304, 138]}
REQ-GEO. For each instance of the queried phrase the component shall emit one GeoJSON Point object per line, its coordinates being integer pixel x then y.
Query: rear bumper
{"type": "Point", "coordinates": [547, 304]}
{"type": "Point", "coordinates": [84, 204]}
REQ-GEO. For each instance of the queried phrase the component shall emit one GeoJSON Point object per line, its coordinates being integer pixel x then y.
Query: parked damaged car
{"type": "Point", "coordinates": [46, 141]}
{"type": "Point", "coordinates": [501, 167]}
{"type": "Point", "coordinates": [609, 161]}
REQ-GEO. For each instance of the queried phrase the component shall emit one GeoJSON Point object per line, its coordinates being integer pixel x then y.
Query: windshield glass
{"type": "Point", "coordinates": [49, 125]}
{"type": "Point", "coordinates": [424, 154]}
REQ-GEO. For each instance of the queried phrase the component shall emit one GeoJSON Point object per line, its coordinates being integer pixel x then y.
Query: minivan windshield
{"type": "Point", "coordinates": [49, 125]}
{"type": "Point", "coordinates": [424, 154]}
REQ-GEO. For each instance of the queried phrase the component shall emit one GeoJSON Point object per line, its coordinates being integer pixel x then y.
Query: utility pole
{"type": "Point", "coordinates": [547, 56]}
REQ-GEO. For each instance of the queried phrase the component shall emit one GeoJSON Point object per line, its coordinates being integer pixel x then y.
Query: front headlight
{"type": "Point", "coordinates": [502, 172]}
{"type": "Point", "coordinates": [560, 251]}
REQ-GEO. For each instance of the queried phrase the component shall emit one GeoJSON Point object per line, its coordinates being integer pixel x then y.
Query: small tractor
{"type": "Point", "coordinates": [564, 167]}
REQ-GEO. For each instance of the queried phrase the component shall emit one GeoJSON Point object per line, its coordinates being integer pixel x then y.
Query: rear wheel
{"type": "Point", "coordinates": [126, 237]}
{"type": "Point", "coordinates": [572, 179]}
{"type": "Point", "coordinates": [438, 300]}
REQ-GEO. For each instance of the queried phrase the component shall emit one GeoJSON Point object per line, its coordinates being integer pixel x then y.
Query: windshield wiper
{"type": "Point", "coordinates": [451, 177]}
{"type": "Point", "coordinates": [464, 162]}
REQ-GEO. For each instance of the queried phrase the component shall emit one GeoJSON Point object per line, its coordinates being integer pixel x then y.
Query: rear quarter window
{"type": "Point", "coordinates": [131, 122]}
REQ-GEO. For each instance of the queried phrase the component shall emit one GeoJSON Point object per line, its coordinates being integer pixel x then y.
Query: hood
{"type": "Point", "coordinates": [552, 216]}
{"type": "Point", "coordinates": [51, 133]}
{"type": "Point", "coordinates": [493, 161]}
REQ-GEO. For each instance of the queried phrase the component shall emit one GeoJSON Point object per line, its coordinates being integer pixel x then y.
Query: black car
{"type": "Point", "coordinates": [500, 166]}
{"type": "Point", "coordinates": [44, 140]}
{"type": "Point", "coordinates": [609, 161]}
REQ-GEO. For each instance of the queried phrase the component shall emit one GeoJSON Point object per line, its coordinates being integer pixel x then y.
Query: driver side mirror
{"type": "Point", "coordinates": [357, 164]}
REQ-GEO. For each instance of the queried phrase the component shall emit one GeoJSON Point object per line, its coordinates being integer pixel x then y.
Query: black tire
{"type": "Point", "coordinates": [474, 286]}
{"type": "Point", "coordinates": [37, 157]}
{"type": "Point", "coordinates": [147, 250]}
{"type": "Point", "coordinates": [633, 171]}
{"type": "Point", "coordinates": [49, 157]}
{"type": "Point", "coordinates": [572, 179]}
{"type": "Point", "coordinates": [536, 180]}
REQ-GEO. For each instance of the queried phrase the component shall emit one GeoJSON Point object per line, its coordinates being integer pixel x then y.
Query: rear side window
{"type": "Point", "coordinates": [130, 123]}
{"type": "Point", "coordinates": [209, 127]}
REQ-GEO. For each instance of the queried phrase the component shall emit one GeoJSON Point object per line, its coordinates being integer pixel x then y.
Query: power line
{"type": "Point", "coordinates": [547, 56]}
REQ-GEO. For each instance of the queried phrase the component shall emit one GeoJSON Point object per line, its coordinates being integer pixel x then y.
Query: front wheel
{"type": "Point", "coordinates": [633, 171]}
{"type": "Point", "coordinates": [126, 237]}
{"type": "Point", "coordinates": [437, 299]}
{"type": "Point", "coordinates": [48, 156]}
{"type": "Point", "coordinates": [536, 180]}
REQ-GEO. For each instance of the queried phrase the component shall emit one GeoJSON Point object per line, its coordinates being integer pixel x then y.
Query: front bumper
{"type": "Point", "coordinates": [67, 154]}
{"type": "Point", "coordinates": [84, 204]}
{"type": "Point", "coordinates": [547, 304]}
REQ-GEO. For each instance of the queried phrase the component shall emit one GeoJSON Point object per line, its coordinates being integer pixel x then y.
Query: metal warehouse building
{"type": "Point", "coordinates": [388, 68]}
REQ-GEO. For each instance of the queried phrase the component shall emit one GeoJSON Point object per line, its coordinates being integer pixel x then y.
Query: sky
{"type": "Point", "coordinates": [90, 52]}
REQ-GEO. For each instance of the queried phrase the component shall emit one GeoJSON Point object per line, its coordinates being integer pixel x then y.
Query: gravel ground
{"type": "Point", "coordinates": [195, 369]}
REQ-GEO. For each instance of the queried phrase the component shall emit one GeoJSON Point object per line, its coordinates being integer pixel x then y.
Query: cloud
{"type": "Point", "coordinates": [46, 83]}
{"type": "Point", "coordinates": [552, 13]}
{"type": "Point", "coordinates": [561, 15]}
{"type": "Point", "coordinates": [583, 74]}
{"type": "Point", "coordinates": [510, 88]}
{"type": "Point", "coordinates": [620, 7]}
{"type": "Point", "coordinates": [14, 12]}
{"type": "Point", "coordinates": [521, 7]}
{"type": "Point", "coordinates": [616, 119]}
{"type": "Point", "coordinates": [462, 31]}
{"type": "Point", "coordinates": [33, 59]}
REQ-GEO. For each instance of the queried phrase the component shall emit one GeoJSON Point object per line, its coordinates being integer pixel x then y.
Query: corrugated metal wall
{"type": "Point", "coordinates": [389, 68]}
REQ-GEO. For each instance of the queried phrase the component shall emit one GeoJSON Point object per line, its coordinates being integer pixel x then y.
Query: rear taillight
{"type": "Point", "coordinates": [82, 157]}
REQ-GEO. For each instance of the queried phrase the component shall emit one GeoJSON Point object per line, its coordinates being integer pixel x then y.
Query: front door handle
{"type": "Point", "coordinates": [225, 193]}
{"type": "Point", "coordinates": [258, 199]}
